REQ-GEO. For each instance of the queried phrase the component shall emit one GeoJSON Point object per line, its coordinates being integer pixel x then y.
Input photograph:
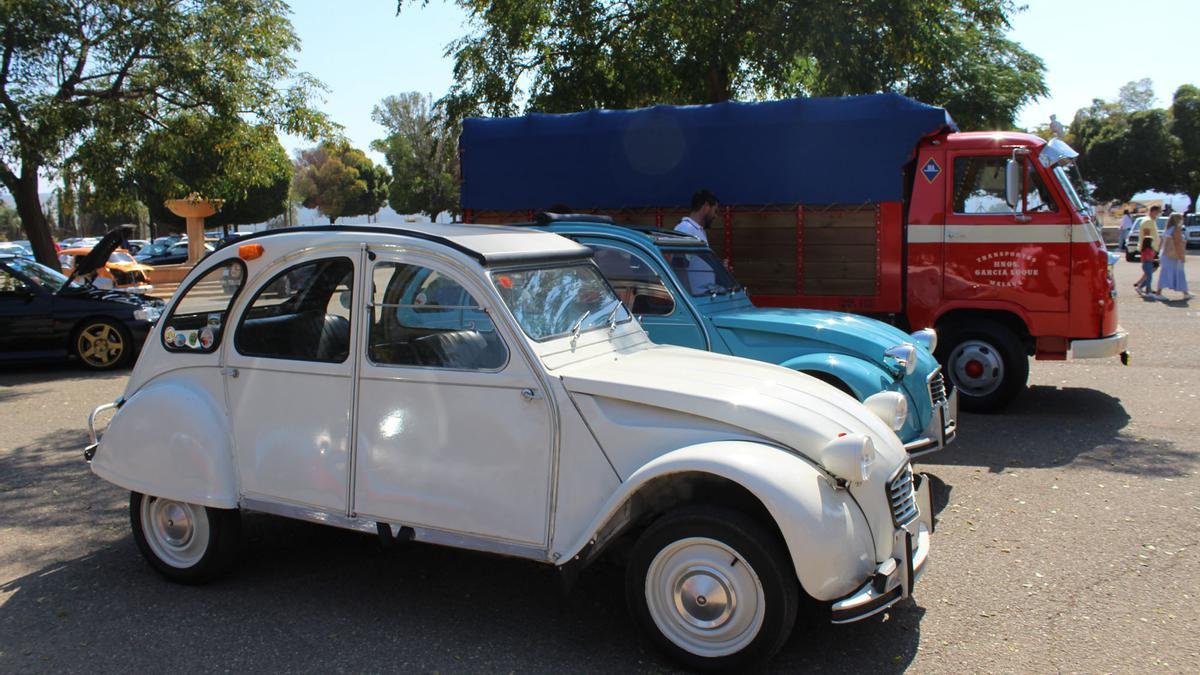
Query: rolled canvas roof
{"type": "Point", "coordinates": [814, 150]}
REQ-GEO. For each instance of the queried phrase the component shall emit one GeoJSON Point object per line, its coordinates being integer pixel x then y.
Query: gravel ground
{"type": "Point", "coordinates": [1067, 541]}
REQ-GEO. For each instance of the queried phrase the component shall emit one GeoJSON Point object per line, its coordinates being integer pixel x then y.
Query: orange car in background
{"type": "Point", "coordinates": [121, 270]}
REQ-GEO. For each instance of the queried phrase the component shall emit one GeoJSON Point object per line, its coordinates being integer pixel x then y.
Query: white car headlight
{"type": "Point", "coordinates": [889, 406]}
{"type": "Point", "coordinates": [849, 457]}
{"type": "Point", "coordinates": [905, 356]}
{"type": "Point", "coordinates": [926, 337]}
{"type": "Point", "coordinates": [150, 314]}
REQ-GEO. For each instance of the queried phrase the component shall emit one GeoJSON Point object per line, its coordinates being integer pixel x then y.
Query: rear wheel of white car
{"type": "Point", "coordinates": [712, 588]}
{"type": "Point", "coordinates": [186, 543]}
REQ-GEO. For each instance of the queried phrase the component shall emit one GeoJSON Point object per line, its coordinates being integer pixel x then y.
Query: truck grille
{"type": "Point", "coordinates": [937, 388]}
{"type": "Point", "coordinates": [902, 497]}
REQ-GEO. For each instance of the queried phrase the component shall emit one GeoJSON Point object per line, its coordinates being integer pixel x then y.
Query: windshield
{"type": "Point", "coordinates": [700, 272]}
{"type": "Point", "coordinates": [550, 302]}
{"type": "Point", "coordinates": [1065, 181]}
{"type": "Point", "coordinates": [40, 275]}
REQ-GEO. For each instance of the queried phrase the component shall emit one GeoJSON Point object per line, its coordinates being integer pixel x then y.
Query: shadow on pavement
{"type": "Point", "coordinates": [1051, 426]}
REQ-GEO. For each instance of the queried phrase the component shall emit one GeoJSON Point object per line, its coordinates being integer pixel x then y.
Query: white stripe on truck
{"type": "Point", "coordinates": [1000, 234]}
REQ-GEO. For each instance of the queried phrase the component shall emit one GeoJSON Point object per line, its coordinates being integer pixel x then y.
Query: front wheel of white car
{"type": "Point", "coordinates": [186, 543]}
{"type": "Point", "coordinates": [714, 589]}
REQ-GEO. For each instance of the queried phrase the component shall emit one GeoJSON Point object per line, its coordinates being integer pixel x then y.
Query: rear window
{"type": "Point", "coordinates": [197, 320]}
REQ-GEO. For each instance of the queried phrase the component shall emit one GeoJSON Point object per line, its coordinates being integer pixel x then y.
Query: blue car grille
{"type": "Point", "coordinates": [937, 388]}
{"type": "Point", "coordinates": [902, 497]}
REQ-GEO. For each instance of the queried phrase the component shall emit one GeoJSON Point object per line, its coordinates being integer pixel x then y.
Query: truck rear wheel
{"type": "Point", "coordinates": [986, 362]}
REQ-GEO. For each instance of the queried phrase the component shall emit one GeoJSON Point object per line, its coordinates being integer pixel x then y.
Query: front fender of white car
{"type": "Point", "coordinates": [169, 439]}
{"type": "Point", "coordinates": [826, 533]}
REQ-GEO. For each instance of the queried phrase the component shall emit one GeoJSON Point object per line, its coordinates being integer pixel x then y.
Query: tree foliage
{"type": "Point", "coordinates": [570, 55]}
{"type": "Point", "coordinates": [1185, 125]}
{"type": "Point", "coordinates": [1127, 147]}
{"type": "Point", "coordinates": [224, 158]}
{"type": "Point", "coordinates": [79, 80]}
{"type": "Point", "coordinates": [421, 151]}
{"type": "Point", "coordinates": [340, 181]}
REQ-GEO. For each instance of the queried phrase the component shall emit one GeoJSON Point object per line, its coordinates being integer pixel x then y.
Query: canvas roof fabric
{"type": "Point", "coordinates": [846, 150]}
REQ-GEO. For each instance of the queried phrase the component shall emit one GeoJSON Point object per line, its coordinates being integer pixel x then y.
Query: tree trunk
{"type": "Point", "coordinates": [33, 220]}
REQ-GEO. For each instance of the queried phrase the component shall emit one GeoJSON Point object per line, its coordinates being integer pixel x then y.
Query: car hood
{"type": "Point", "coordinates": [846, 333]}
{"type": "Point", "coordinates": [92, 293]}
{"type": "Point", "coordinates": [781, 405]}
{"type": "Point", "coordinates": [130, 267]}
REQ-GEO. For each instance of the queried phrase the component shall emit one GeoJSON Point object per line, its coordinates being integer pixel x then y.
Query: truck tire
{"type": "Point", "coordinates": [186, 543]}
{"type": "Point", "coordinates": [713, 589]}
{"type": "Point", "coordinates": [986, 362]}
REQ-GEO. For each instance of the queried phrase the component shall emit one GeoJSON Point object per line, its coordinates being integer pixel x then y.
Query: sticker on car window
{"type": "Point", "coordinates": [206, 337]}
{"type": "Point", "coordinates": [169, 335]}
{"type": "Point", "coordinates": [214, 319]}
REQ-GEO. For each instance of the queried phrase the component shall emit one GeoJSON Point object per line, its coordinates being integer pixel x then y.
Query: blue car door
{"type": "Point", "coordinates": [646, 289]}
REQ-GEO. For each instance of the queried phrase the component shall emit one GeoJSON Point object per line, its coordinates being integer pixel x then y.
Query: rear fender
{"type": "Point", "coordinates": [170, 439]}
{"type": "Point", "coordinates": [826, 533]}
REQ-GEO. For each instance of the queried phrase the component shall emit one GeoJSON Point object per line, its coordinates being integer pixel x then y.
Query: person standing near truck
{"type": "Point", "coordinates": [704, 209]}
{"type": "Point", "coordinates": [1174, 254]}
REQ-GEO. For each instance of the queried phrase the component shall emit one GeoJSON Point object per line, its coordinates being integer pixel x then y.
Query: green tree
{"type": "Point", "coordinates": [422, 152]}
{"type": "Point", "coordinates": [570, 55]}
{"type": "Point", "coordinates": [10, 223]}
{"type": "Point", "coordinates": [80, 80]}
{"type": "Point", "coordinates": [340, 181]}
{"type": "Point", "coordinates": [224, 158]}
{"type": "Point", "coordinates": [1136, 96]}
{"type": "Point", "coordinates": [1185, 126]}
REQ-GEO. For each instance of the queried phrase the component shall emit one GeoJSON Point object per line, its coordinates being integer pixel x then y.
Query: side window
{"type": "Point", "coordinates": [979, 185]}
{"type": "Point", "coordinates": [422, 317]}
{"type": "Point", "coordinates": [302, 314]}
{"type": "Point", "coordinates": [198, 318]}
{"type": "Point", "coordinates": [1037, 195]}
{"type": "Point", "coordinates": [634, 280]}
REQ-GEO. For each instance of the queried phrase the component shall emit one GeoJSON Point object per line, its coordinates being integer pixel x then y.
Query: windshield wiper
{"type": "Point", "coordinates": [579, 324]}
{"type": "Point", "coordinates": [612, 318]}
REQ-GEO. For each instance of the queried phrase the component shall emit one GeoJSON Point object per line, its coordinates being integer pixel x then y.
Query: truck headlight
{"type": "Point", "coordinates": [889, 406]}
{"type": "Point", "coordinates": [926, 337]}
{"type": "Point", "coordinates": [905, 356]}
{"type": "Point", "coordinates": [849, 457]}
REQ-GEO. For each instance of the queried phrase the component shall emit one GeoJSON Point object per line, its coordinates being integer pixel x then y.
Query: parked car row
{"type": "Point", "coordinates": [501, 389]}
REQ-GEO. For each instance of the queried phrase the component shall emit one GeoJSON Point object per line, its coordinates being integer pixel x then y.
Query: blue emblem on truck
{"type": "Point", "coordinates": [931, 170]}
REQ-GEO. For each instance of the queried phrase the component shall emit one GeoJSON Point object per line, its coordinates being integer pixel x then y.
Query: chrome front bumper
{"type": "Point", "coordinates": [93, 435]}
{"type": "Point", "coordinates": [941, 430]}
{"type": "Point", "coordinates": [1104, 347]}
{"type": "Point", "coordinates": [894, 579]}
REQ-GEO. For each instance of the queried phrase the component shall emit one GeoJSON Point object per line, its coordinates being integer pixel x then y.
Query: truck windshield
{"type": "Point", "coordinates": [551, 302]}
{"type": "Point", "coordinates": [1060, 172]}
{"type": "Point", "coordinates": [700, 272]}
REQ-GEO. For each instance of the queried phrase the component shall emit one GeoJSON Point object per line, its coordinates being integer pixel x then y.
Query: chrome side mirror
{"type": "Point", "coordinates": [1012, 182]}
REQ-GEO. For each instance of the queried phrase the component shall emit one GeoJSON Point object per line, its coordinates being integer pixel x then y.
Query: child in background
{"type": "Point", "coordinates": [1148, 254]}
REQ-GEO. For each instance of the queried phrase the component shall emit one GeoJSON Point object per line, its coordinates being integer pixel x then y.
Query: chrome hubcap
{"type": "Point", "coordinates": [977, 368]}
{"type": "Point", "coordinates": [177, 532]}
{"type": "Point", "coordinates": [705, 597]}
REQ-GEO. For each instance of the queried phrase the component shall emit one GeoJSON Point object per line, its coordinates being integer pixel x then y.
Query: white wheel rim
{"type": "Point", "coordinates": [978, 369]}
{"type": "Point", "coordinates": [176, 531]}
{"type": "Point", "coordinates": [705, 597]}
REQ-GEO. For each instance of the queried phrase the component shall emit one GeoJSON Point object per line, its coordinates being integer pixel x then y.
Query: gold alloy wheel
{"type": "Point", "coordinates": [100, 345]}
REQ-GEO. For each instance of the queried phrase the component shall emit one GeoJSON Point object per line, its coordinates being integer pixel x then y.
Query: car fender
{"type": "Point", "coordinates": [170, 439]}
{"type": "Point", "coordinates": [826, 533]}
{"type": "Point", "coordinates": [863, 377]}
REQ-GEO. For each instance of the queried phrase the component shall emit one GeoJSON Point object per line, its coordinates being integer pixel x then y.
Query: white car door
{"type": "Point", "coordinates": [454, 430]}
{"type": "Point", "coordinates": [289, 381]}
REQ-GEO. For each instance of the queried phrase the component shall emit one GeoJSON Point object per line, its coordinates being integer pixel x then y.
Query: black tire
{"type": "Point", "coordinates": [209, 556]}
{"type": "Point", "coordinates": [1001, 366]}
{"type": "Point", "coordinates": [761, 555]}
{"type": "Point", "coordinates": [102, 344]}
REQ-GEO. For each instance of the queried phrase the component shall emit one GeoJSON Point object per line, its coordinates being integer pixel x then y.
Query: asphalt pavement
{"type": "Point", "coordinates": [1067, 540]}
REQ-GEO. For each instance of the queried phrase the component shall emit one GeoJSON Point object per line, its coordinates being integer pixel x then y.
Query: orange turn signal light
{"type": "Point", "coordinates": [250, 251]}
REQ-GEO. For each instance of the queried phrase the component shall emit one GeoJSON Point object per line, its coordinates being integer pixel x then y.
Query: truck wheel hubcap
{"type": "Point", "coordinates": [705, 597]}
{"type": "Point", "coordinates": [977, 368]}
{"type": "Point", "coordinates": [177, 532]}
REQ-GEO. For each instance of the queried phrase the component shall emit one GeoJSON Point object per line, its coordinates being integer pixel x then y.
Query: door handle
{"type": "Point", "coordinates": [232, 372]}
{"type": "Point", "coordinates": [530, 394]}
{"type": "Point", "coordinates": [955, 235]}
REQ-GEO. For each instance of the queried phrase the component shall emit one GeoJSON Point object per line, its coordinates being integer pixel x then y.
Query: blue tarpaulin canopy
{"type": "Point", "coordinates": [812, 151]}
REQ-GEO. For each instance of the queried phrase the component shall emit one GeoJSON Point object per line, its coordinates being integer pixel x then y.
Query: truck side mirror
{"type": "Point", "coordinates": [1012, 183]}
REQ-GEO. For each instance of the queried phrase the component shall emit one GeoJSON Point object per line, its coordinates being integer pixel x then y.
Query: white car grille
{"type": "Point", "coordinates": [902, 497]}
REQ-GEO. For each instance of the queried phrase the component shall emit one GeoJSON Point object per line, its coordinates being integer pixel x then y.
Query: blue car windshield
{"type": "Point", "coordinates": [40, 275]}
{"type": "Point", "coordinates": [551, 302]}
{"type": "Point", "coordinates": [700, 271]}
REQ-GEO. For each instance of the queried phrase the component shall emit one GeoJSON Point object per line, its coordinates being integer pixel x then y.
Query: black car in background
{"type": "Point", "coordinates": [44, 314]}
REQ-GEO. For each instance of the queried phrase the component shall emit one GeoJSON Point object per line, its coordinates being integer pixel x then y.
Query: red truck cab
{"type": "Point", "coordinates": [1002, 281]}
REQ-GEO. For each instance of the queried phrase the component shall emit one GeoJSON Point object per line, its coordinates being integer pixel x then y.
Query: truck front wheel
{"type": "Point", "coordinates": [713, 588]}
{"type": "Point", "coordinates": [985, 361]}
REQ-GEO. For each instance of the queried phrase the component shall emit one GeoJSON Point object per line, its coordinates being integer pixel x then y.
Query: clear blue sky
{"type": "Point", "coordinates": [363, 51]}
